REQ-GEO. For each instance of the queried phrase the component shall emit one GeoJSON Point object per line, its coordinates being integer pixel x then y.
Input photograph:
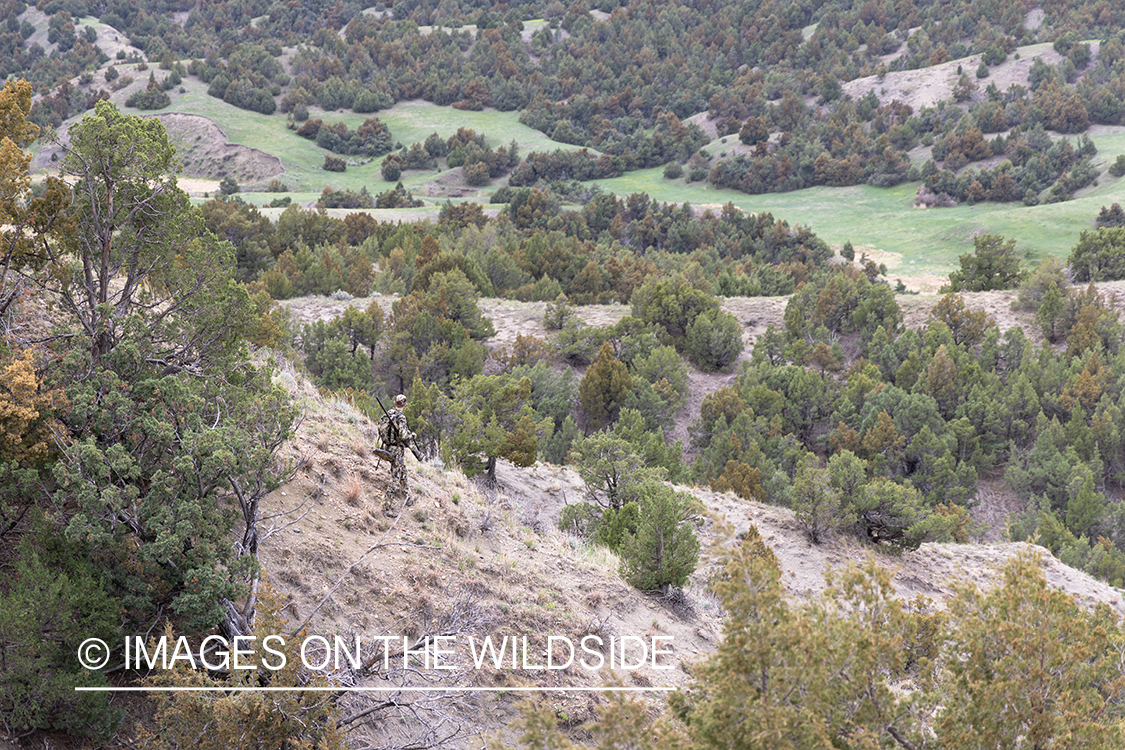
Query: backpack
{"type": "Point", "coordinates": [388, 434]}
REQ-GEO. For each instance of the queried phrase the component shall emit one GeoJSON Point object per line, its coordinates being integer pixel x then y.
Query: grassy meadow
{"type": "Point", "coordinates": [917, 244]}
{"type": "Point", "coordinates": [302, 159]}
{"type": "Point", "coordinates": [929, 240]}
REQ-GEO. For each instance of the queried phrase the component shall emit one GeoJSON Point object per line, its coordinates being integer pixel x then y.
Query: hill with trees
{"type": "Point", "coordinates": [159, 365]}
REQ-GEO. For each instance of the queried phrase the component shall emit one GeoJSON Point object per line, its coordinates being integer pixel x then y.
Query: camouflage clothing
{"type": "Point", "coordinates": [396, 435]}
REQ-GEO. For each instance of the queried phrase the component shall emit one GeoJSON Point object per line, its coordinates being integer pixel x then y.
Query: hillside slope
{"type": "Point", "coordinates": [476, 562]}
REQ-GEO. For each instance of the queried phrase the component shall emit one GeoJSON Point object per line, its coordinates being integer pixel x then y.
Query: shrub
{"type": "Point", "coordinates": [816, 503]}
{"type": "Point", "coordinates": [58, 602]}
{"type": "Point", "coordinates": [1114, 216]}
{"type": "Point", "coordinates": [153, 97]}
{"type": "Point", "coordinates": [392, 168]}
{"type": "Point", "coordinates": [229, 186]}
{"type": "Point", "coordinates": [604, 387]}
{"type": "Point", "coordinates": [1099, 255]}
{"type": "Point", "coordinates": [994, 264]}
{"type": "Point", "coordinates": [714, 340]}
{"type": "Point", "coordinates": [665, 550]}
{"type": "Point", "coordinates": [476, 174]}
{"type": "Point", "coordinates": [617, 524]}
{"type": "Point", "coordinates": [334, 164]}
{"type": "Point", "coordinates": [1047, 275]}
{"type": "Point", "coordinates": [892, 513]}
{"type": "Point", "coordinates": [579, 519]}
{"type": "Point", "coordinates": [558, 313]}
{"type": "Point", "coordinates": [1117, 169]}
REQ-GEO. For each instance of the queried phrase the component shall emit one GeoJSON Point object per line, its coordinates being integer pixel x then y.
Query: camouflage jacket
{"type": "Point", "coordinates": [393, 430]}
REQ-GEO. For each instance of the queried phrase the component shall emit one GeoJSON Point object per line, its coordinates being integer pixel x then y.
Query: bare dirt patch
{"type": "Point", "coordinates": [451, 184]}
{"type": "Point", "coordinates": [500, 545]}
{"type": "Point", "coordinates": [706, 124]}
{"type": "Point", "coordinates": [926, 87]}
{"type": "Point", "coordinates": [203, 147]}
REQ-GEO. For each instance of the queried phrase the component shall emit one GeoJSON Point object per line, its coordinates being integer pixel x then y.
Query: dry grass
{"type": "Point", "coordinates": [353, 491]}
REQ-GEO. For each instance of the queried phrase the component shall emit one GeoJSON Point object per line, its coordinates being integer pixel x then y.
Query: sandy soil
{"type": "Point", "coordinates": [203, 147]}
{"type": "Point", "coordinates": [926, 87]}
{"type": "Point", "coordinates": [503, 545]}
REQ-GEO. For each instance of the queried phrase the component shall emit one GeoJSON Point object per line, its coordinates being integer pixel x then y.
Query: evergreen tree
{"type": "Point", "coordinates": [994, 264]}
{"type": "Point", "coordinates": [714, 340]}
{"type": "Point", "coordinates": [665, 550]}
{"type": "Point", "coordinates": [604, 387]}
{"type": "Point", "coordinates": [816, 503]}
{"type": "Point", "coordinates": [1028, 667]}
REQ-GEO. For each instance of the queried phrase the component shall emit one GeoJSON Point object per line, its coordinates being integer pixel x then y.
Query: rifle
{"type": "Point", "coordinates": [394, 427]}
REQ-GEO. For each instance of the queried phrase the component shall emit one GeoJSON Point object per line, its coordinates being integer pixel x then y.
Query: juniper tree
{"type": "Point", "coordinates": [665, 550]}
{"type": "Point", "coordinates": [604, 387]}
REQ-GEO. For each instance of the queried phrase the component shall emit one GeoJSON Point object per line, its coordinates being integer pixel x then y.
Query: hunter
{"type": "Point", "coordinates": [396, 437]}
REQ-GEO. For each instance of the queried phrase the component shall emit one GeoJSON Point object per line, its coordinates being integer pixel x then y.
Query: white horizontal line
{"type": "Point", "coordinates": [370, 689]}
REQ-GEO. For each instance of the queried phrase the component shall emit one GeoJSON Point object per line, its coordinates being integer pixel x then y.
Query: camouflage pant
{"type": "Point", "coordinates": [395, 492]}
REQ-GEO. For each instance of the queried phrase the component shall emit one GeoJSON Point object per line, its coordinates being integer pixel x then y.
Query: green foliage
{"type": "Point", "coordinates": [168, 420]}
{"type": "Point", "coordinates": [617, 525]}
{"type": "Point", "coordinates": [816, 504]}
{"type": "Point", "coordinates": [558, 445]}
{"type": "Point", "coordinates": [229, 186]}
{"type": "Point", "coordinates": [201, 712]}
{"type": "Point", "coordinates": [671, 305]}
{"type": "Point", "coordinates": [159, 492]}
{"type": "Point", "coordinates": [580, 519]}
{"type": "Point", "coordinates": [495, 420]}
{"type": "Point", "coordinates": [966, 326]}
{"type": "Point", "coordinates": [842, 302]}
{"type": "Point", "coordinates": [153, 97]}
{"type": "Point", "coordinates": [714, 340]}
{"type": "Point", "coordinates": [604, 387]}
{"type": "Point", "coordinates": [650, 444]}
{"type": "Point", "coordinates": [253, 235]}
{"type": "Point", "coordinates": [1020, 663]}
{"type": "Point", "coordinates": [553, 392]}
{"type": "Point", "coordinates": [894, 514]}
{"type": "Point", "coordinates": [1113, 216]}
{"type": "Point", "coordinates": [332, 360]}
{"type": "Point", "coordinates": [664, 551]}
{"type": "Point", "coordinates": [330, 198]}
{"type": "Point", "coordinates": [1030, 666]}
{"type": "Point", "coordinates": [435, 333]}
{"type": "Point", "coordinates": [812, 675]}
{"type": "Point", "coordinates": [611, 469]}
{"type": "Point", "coordinates": [558, 314]}
{"type": "Point", "coordinates": [372, 139]}
{"type": "Point", "coordinates": [53, 601]}
{"type": "Point", "coordinates": [1099, 255]}
{"type": "Point", "coordinates": [1046, 277]}
{"type": "Point", "coordinates": [994, 264]}
{"type": "Point", "coordinates": [660, 386]}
